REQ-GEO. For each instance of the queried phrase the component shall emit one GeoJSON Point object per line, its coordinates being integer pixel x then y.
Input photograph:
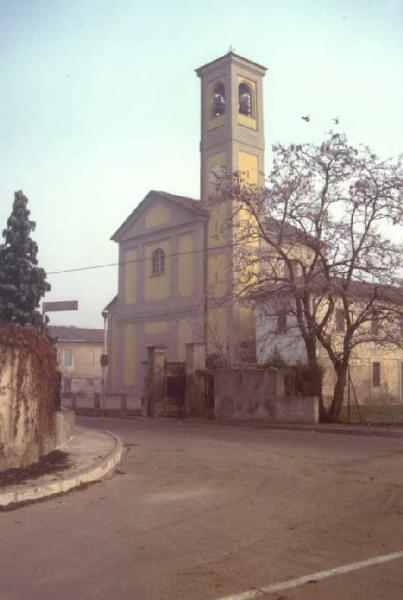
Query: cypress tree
{"type": "Point", "coordinates": [22, 282]}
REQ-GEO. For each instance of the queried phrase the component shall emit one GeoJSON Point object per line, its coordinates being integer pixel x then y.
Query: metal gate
{"type": "Point", "coordinates": [175, 387]}
{"type": "Point", "coordinates": [209, 395]}
{"type": "Point", "coordinates": [175, 384]}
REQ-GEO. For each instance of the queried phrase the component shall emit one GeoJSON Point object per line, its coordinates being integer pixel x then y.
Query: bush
{"type": "Point", "coordinates": [216, 360]}
{"type": "Point", "coordinates": [299, 379]}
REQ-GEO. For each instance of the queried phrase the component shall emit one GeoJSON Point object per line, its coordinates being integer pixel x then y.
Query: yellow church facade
{"type": "Point", "coordinates": [177, 275]}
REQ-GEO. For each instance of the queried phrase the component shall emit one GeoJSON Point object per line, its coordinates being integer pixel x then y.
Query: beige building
{"type": "Point", "coordinates": [376, 369]}
{"type": "Point", "coordinates": [78, 355]}
{"type": "Point", "coordinates": [177, 273]}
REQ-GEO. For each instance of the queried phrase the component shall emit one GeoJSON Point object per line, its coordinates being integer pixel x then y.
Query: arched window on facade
{"type": "Point", "coordinates": [158, 262]}
{"type": "Point", "coordinates": [219, 100]}
{"type": "Point", "coordinates": [245, 100]}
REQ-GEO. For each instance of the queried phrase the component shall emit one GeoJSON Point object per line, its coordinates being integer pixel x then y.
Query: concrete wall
{"type": "Point", "coordinates": [29, 425]}
{"type": "Point", "coordinates": [199, 400]}
{"type": "Point", "coordinates": [65, 420]}
{"type": "Point", "coordinates": [98, 405]}
{"type": "Point", "coordinates": [259, 394]}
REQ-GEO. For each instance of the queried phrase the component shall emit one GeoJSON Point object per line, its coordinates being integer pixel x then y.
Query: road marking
{"type": "Point", "coordinates": [293, 583]}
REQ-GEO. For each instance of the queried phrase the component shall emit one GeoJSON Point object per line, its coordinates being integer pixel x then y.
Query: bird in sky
{"type": "Point", "coordinates": [336, 120]}
{"type": "Point", "coordinates": [306, 118]}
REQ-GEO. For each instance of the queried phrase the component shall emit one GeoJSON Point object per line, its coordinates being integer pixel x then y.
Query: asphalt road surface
{"type": "Point", "coordinates": [205, 512]}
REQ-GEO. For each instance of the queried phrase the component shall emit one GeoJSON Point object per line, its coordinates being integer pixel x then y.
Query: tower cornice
{"type": "Point", "coordinates": [235, 59]}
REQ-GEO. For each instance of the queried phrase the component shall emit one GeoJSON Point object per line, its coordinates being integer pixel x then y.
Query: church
{"type": "Point", "coordinates": [176, 261]}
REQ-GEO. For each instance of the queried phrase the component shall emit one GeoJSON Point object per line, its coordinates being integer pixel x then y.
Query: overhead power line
{"type": "Point", "coordinates": [136, 260]}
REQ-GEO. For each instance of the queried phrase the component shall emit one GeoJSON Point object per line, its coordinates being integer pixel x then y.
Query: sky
{"type": "Point", "coordinates": [99, 103]}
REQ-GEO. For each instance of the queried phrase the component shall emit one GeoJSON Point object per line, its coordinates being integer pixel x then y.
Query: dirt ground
{"type": "Point", "coordinates": [54, 462]}
{"type": "Point", "coordinates": [198, 512]}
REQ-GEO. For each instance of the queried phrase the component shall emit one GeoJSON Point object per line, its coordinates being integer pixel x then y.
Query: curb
{"type": "Point", "coordinates": [22, 494]}
{"type": "Point", "coordinates": [363, 430]}
{"type": "Point", "coordinates": [339, 431]}
{"type": "Point", "coordinates": [369, 429]}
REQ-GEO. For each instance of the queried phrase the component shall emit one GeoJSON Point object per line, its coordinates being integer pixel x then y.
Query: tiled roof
{"type": "Point", "coordinates": [111, 303]}
{"type": "Point", "coordinates": [185, 201]}
{"type": "Point", "coordinates": [364, 289]}
{"type": "Point", "coordinates": [288, 231]}
{"type": "Point", "coordinates": [355, 290]}
{"type": "Point", "coordinates": [76, 334]}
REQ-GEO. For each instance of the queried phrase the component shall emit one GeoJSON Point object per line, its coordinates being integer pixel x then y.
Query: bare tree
{"type": "Point", "coordinates": [317, 241]}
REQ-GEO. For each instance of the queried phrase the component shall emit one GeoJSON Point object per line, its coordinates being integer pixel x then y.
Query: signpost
{"type": "Point", "coordinates": [58, 306]}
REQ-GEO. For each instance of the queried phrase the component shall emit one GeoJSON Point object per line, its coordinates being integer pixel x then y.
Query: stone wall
{"type": "Point", "coordinates": [258, 394]}
{"type": "Point", "coordinates": [29, 424]}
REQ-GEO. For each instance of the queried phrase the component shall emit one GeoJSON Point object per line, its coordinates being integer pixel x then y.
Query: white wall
{"type": "Point", "coordinates": [269, 340]}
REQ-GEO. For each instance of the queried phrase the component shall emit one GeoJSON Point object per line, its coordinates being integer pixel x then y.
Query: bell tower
{"type": "Point", "coordinates": [232, 140]}
{"type": "Point", "coordinates": [232, 135]}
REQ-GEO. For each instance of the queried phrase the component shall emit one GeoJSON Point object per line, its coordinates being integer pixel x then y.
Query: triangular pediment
{"type": "Point", "coordinates": [159, 210]}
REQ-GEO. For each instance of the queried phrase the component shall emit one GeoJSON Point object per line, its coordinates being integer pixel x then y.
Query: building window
{"type": "Point", "coordinates": [67, 357]}
{"type": "Point", "coordinates": [66, 385]}
{"type": "Point", "coordinates": [282, 322]}
{"type": "Point", "coordinates": [245, 100]}
{"type": "Point", "coordinates": [376, 374]}
{"type": "Point", "coordinates": [158, 262]}
{"type": "Point", "coordinates": [291, 268]}
{"type": "Point", "coordinates": [340, 320]}
{"type": "Point", "coordinates": [375, 323]}
{"type": "Point", "coordinates": [219, 100]}
{"type": "Point", "coordinates": [264, 266]}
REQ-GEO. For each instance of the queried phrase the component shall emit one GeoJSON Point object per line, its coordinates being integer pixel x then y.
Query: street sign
{"type": "Point", "coordinates": [57, 306]}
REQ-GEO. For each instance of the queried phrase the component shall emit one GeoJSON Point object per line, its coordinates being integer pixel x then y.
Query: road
{"type": "Point", "coordinates": [201, 512]}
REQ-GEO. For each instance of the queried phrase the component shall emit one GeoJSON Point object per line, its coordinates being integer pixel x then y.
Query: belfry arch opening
{"type": "Point", "coordinates": [219, 100]}
{"type": "Point", "coordinates": [245, 100]}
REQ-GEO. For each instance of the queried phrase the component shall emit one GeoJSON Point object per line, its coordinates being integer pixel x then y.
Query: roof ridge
{"type": "Point", "coordinates": [164, 193]}
{"type": "Point", "coordinates": [184, 201]}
